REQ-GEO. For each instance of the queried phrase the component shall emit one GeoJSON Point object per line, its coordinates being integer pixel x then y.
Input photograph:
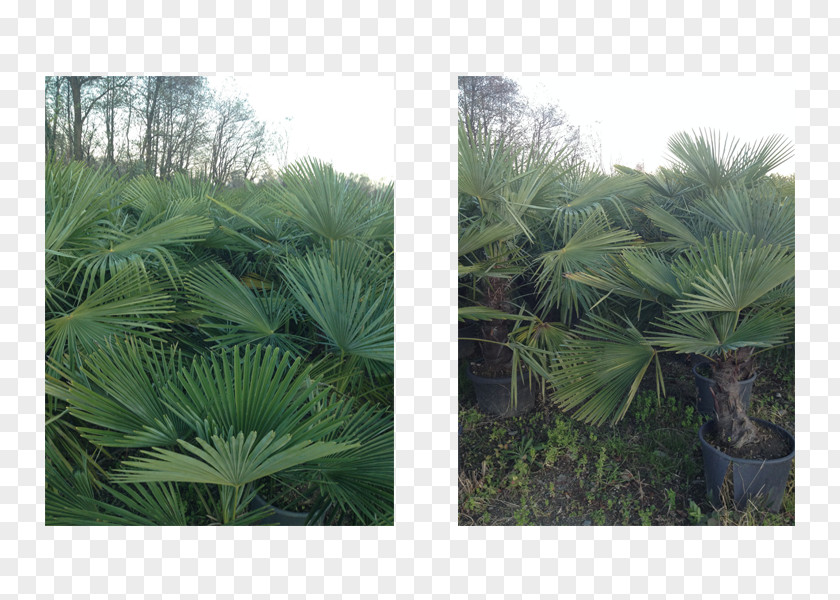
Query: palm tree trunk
{"type": "Point", "coordinates": [734, 427]}
{"type": "Point", "coordinates": [495, 353]}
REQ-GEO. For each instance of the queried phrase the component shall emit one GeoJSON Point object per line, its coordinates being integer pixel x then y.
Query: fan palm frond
{"type": "Point", "coordinates": [588, 247]}
{"type": "Point", "coordinates": [358, 481]}
{"type": "Point", "coordinates": [233, 313]}
{"type": "Point", "coordinates": [126, 304]}
{"type": "Point", "coordinates": [327, 204]}
{"type": "Point", "coordinates": [757, 211]}
{"type": "Point", "coordinates": [355, 319]}
{"type": "Point", "coordinates": [251, 388]}
{"type": "Point", "coordinates": [724, 333]}
{"type": "Point", "coordinates": [716, 162]}
{"type": "Point", "coordinates": [119, 390]}
{"type": "Point", "coordinates": [136, 247]}
{"type": "Point", "coordinates": [600, 368]}
{"type": "Point", "coordinates": [730, 272]}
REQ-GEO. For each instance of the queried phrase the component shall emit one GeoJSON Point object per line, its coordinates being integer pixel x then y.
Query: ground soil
{"type": "Point", "coordinates": [651, 473]}
{"type": "Point", "coordinates": [769, 445]}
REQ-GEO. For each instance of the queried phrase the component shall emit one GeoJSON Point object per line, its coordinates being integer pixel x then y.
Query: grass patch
{"type": "Point", "coordinates": [547, 469]}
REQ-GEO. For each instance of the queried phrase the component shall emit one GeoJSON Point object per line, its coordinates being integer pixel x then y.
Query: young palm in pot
{"type": "Point", "coordinates": [524, 218]}
{"type": "Point", "coordinates": [500, 191]}
{"type": "Point", "coordinates": [721, 287]}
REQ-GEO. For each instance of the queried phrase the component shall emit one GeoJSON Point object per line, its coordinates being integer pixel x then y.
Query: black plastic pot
{"type": "Point", "coordinates": [706, 402]}
{"type": "Point", "coordinates": [762, 481]}
{"type": "Point", "coordinates": [494, 395]}
{"type": "Point", "coordinates": [280, 517]}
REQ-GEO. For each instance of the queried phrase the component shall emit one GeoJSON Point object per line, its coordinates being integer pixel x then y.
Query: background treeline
{"type": "Point", "coordinates": [494, 106]}
{"type": "Point", "coordinates": [160, 125]}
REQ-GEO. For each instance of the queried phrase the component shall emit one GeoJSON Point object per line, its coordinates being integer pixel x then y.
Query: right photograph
{"type": "Point", "coordinates": [625, 300]}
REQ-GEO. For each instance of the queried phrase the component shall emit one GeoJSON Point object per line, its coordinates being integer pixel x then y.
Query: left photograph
{"type": "Point", "coordinates": [219, 300]}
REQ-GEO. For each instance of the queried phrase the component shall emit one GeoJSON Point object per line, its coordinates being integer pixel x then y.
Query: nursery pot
{"type": "Point", "coordinates": [279, 516]}
{"type": "Point", "coordinates": [706, 403]}
{"type": "Point", "coordinates": [764, 481]}
{"type": "Point", "coordinates": [494, 395]}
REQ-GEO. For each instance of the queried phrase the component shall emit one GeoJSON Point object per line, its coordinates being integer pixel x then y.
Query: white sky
{"type": "Point", "coordinates": [635, 116]}
{"type": "Point", "coordinates": [345, 120]}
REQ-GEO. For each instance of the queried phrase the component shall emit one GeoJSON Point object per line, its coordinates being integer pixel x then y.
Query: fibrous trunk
{"type": "Point", "coordinates": [734, 427]}
{"type": "Point", "coordinates": [495, 351]}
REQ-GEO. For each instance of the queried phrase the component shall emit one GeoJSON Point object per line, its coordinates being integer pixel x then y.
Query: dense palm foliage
{"type": "Point", "coordinates": [696, 258]}
{"type": "Point", "coordinates": [525, 219]}
{"type": "Point", "coordinates": [206, 344]}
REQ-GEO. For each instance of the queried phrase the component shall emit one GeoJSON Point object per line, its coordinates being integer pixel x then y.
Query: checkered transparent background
{"type": "Point", "coordinates": [425, 555]}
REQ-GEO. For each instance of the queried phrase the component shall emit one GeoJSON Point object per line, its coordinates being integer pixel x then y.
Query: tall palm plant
{"type": "Point", "coordinates": [532, 215]}
{"type": "Point", "coordinates": [720, 285]}
{"type": "Point", "coordinates": [500, 189]}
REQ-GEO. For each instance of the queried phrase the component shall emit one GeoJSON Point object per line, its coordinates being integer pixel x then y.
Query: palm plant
{"type": "Point", "coordinates": [336, 274]}
{"type": "Point", "coordinates": [499, 191]}
{"type": "Point", "coordinates": [532, 216]}
{"type": "Point", "coordinates": [719, 285]}
{"type": "Point", "coordinates": [351, 302]}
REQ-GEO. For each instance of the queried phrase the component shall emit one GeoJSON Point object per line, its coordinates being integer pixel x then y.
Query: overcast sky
{"type": "Point", "coordinates": [345, 120]}
{"type": "Point", "coordinates": [635, 116]}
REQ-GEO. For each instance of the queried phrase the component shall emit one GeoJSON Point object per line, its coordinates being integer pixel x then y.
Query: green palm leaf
{"type": "Point", "coordinates": [325, 203]}
{"type": "Point", "coordinates": [233, 461]}
{"type": "Point", "coordinates": [731, 272]}
{"type": "Point", "coordinates": [583, 190]}
{"type": "Point", "coordinates": [614, 277]}
{"type": "Point", "coordinates": [126, 304]}
{"type": "Point", "coordinates": [74, 497]}
{"type": "Point", "coordinates": [355, 319]}
{"type": "Point", "coordinates": [587, 248]}
{"type": "Point", "coordinates": [136, 246]}
{"type": "Point", "coordinates": [251, 389]}
{"type": "Point", "coordinates": [154, 200]}
{"type": "Point", "coordinates": [240, 315]}
{"type": "Point", "coordinates": [78, 201]}
{"type": "Point", "coordinates": [716, 163]}
{"type": "Point", "coordinates": [697, 333]}
{"type": "Point", "coordinates": [682, 238]}
{"type": "Point", "coordinates": [485, 313]}
{"type": "Point", "coordinates": [598, 372]}
{"type": "Point", "coordinates": [484, 167]}
{"type": "Point", "coordinates": [652, 269]}
{"type": "Point", "coordinates": [756, 211]}
{"type": "Point", "coordinates": [481, 234]}
{"type": "Point", "coordinates": [119, 390]}
{"type": "Point", "coordinates": [359, 481]}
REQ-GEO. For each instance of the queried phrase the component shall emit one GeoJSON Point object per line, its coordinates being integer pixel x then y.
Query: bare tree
{"type": "Point", "coordinates": [229, 142]}
{"type": "Point", "coordinates": [254, 150]}
{"type": "Point", "coordinates": [148, 113]}
{"type": "Point", "coordinates": [491, 105]}
{"type": "Point", "coordinates": [115, 94]}
{"type": "Point", "coordinates": [52, 115]}
{"type": "Point", "coordinates": [77, 84]}
{"type": "Point", "coordinates": [494, 106]}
